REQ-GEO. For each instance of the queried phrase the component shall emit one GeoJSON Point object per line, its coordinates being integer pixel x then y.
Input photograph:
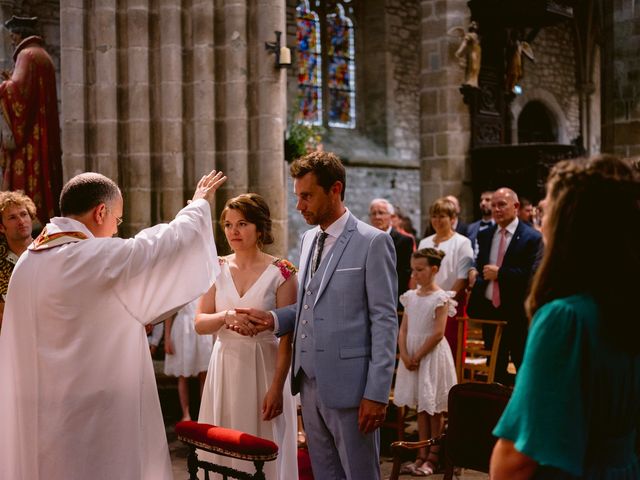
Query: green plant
{"type": "Point", "coordinates": [301, 138]}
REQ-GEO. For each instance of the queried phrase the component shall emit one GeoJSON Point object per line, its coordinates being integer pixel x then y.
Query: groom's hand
{"type": "Point", "coordinates": [371, 415]}
{"type": "Point", "coordinates": [261, 320]}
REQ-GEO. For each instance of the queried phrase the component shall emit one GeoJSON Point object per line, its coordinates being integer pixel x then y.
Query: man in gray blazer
{"type": "Point", "coordinates": [345, 325]}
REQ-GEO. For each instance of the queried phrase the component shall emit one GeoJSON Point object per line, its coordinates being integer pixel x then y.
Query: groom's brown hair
{"type": "Point", "coordinates": [326, 166]}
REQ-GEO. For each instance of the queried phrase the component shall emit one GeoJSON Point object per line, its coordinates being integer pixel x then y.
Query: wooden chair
{"type": "Point", "coordinates": [474, 409]}
{"type": "Point", "coordinates": [479, 362]}
{"type": "Point", "coordinates": [228, 443]}
{"type": "Point", "coordinates": [395, 417]}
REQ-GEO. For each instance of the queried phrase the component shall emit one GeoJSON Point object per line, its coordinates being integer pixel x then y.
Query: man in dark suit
{"type": "Point", "coordinates": [486, 219]}
{"type": "Point", "coordinates": [380, 213]}
{"type": "Point", "coordinates": [507, 253]}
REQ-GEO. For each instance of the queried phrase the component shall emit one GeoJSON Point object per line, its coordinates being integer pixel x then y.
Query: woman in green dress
{"type": "Point", "coordinates": [575, 410]}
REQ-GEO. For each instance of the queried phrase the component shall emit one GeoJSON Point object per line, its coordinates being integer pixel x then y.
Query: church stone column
{"type": "Point", "coordinates": [267, 107]}
{"type": "Point", "coordinates": [201, 77]}
{"type": "Point", "coordinates": [231, 66]}
{"type": "Point", "coordinates": [137, 169]}
{"type": "Point", "coordinates": [169, 164]}
{"type": "Point", "coordinates": [444, 119]}
{"type": "Point", "coordinates": [155, 94]}
{"type": "Point", "coordinates": [74, 87]}
{"type": "Point", "coordinates": [104, 93]}
{"type": "Point", "coordinates": [621, 70]}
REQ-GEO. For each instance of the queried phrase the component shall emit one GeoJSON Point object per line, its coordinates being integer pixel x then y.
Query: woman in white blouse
{"type": "Point", "coordinates": [456, 263]}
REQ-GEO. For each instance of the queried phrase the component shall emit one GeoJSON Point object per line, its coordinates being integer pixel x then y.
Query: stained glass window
{"type": "Point", "coordinates": [309, 65]}
{"type": "Point", "coordinates": [341, 69]}
{"type": "Point", "coordinates": [326, 63]}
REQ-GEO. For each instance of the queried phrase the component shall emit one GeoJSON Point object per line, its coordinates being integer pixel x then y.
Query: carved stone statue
{"type": "Point", "coordinates": [30, 144]}
{"type": "Point", "coordinates": [469, 52]}
{"type": "Point", "coordinates": [514, 62]}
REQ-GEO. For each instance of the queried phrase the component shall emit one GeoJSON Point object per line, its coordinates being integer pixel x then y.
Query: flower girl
{"type": "Point", "coordinates": [426, 372]}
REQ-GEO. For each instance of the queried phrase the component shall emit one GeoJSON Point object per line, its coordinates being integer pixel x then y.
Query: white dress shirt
{"type": "Point", "coordinates": [333, 232]}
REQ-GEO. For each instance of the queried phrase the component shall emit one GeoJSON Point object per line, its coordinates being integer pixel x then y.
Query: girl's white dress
{"type": "Point", "coordinates": [428, 387]}
{"type": "Point", "coordinates": [241, 371]}
{"type": "Point", "coordinates": [192, 351]}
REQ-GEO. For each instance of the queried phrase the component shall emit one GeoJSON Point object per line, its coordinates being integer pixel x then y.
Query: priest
{"type": "Point", "coordinates": [78, 395]}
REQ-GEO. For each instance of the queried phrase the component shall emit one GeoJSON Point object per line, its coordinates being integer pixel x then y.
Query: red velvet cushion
{"type": "Point", "coordinates": [226, 438]}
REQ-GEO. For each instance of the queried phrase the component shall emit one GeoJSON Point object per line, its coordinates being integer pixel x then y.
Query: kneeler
{"type": "Point", "coordinates": [228, 443]}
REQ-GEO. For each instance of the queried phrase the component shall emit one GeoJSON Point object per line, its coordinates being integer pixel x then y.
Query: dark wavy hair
{"type": "Point", "coordinates": [255, 210]}
{"type": "Point", "coordinates": [586, 198]}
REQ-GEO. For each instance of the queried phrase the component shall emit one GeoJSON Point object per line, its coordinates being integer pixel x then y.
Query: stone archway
{"type": "Point", "coordinates": [549, 101]}
{"type": "Point", "coordinates": [536, 124]}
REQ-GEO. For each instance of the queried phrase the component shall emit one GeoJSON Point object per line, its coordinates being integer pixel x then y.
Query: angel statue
{"type": "Point", "coordinates": [514, 62]}
{"type": "Point", "coordinates": [469, 52]}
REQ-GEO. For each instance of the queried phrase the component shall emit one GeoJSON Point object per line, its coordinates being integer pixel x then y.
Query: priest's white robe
{"type": "Point", "coordinates": [78, 396]}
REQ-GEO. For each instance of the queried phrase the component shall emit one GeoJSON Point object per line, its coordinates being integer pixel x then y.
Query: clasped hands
{"type": "Point", "coordinates": [248, 321]}
{"type": "Point", "coordinates": [411, 363]}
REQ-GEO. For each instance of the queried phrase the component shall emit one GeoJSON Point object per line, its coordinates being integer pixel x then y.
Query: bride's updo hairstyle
{"type": "Point", "coordinates": [255, 210]}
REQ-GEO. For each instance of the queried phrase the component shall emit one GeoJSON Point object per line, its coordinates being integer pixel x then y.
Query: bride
{"type": "Point", "coordinates": [247, 374]}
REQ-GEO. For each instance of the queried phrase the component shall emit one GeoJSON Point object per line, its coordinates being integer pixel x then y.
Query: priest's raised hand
{"type": "Point", "coordinates": [208, 185]}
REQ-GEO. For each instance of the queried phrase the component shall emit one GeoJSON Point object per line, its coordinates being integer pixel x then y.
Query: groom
{"type": "Point", "coordinates": [345, 324]}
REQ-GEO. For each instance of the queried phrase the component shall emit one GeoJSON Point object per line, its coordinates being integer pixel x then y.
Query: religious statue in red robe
{"type": "Point", "coordinates": [31, 138]}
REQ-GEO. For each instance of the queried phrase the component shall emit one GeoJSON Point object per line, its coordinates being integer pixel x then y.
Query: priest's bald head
{"type": "Point", "coordinates": [94, 200]}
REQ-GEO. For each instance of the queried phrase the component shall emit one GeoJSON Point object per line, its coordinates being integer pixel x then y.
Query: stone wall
{"type": "Point", "coordinates": [552, 81]}
{"type": "Point", "coordinates": [403, 19]}
{"type": "Point", "coordinates": [387, 82]}
{"type": "Point", "coordinates": [621, 78]}
{"type": "Point", "coordinates": [444, 118]}
{"type": "Point", "coordinates": [382, 152]}
{"type": "Point", "coordinates": [156, 93]}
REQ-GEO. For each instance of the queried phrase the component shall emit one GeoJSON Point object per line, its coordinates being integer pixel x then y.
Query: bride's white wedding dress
{"type": "Point", "coordinates": [240, 373]}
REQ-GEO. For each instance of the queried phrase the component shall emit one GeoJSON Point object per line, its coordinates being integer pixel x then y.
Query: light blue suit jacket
{"type": "Point", "coordinates": [355, 323]}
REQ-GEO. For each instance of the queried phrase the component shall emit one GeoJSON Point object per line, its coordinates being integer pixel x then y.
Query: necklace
{"type": "Point", "coordinates": [437, 242]}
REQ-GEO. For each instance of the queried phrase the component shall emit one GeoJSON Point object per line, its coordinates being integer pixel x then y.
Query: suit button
{"type": "Point", "coordinates": [304, 335]}
{"type": "Point", "coordinates": [306, 307]}
{"type": "Point", "coordinates": [304, 322]}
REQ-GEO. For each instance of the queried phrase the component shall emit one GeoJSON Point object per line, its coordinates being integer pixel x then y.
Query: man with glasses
{"type": "Point", "coordinates": [78, 397]}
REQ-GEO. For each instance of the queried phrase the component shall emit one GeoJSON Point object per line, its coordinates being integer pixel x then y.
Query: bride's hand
{"type": "Point", "coordinates": [261, 319]}
{"type": "Point", "coordinates": [239, 322]}
{"type": "Point", "coordinates": [272, 404]}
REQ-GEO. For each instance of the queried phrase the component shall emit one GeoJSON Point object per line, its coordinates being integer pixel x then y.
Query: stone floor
{"type": "Point", "coordinates": [179, 462]}
{"type": "Point", "coordinates": [168, 393]}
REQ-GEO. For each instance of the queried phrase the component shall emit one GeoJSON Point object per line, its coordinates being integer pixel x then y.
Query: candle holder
{"type": "Point", "coordinates": [282, 53]}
